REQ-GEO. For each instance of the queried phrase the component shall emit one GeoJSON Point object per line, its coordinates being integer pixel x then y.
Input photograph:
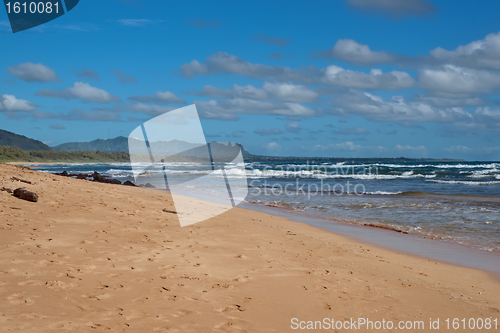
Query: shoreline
{"type": "Point", "coordinates": [393, 240]}
{"type": "Point", "coordinates": [92, 256]}
{"type": "Point", "coordinates": [440, 246]}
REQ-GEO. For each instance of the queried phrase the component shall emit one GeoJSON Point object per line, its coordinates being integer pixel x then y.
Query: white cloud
{"type": "Point", "coordinates": [475, 151]}
{"type": "Point", "coordinates": [152, 110]}
{"type": "Point", "coordinates": [454, 81]}
{"type": "Point", "coordinates": [293, 127]}
{"type": "Point", "coordinates": [376, 80]}
{"type": "Point", "coordinates": [249, 92]}
{"type": "Point", "coordinates": [228, 109]}
{"type": "Point", "coordinates": [271, 146]}
{"type": "Point", "coordinates": [480, 53]}
{"type": "Point", "coordinates": [230, 64]}
{"type": "Point", "coordinates": [159, 97]}
{"type": "Point", "coordinates": [31, 72]}
{"type": "Point", "coordinates": [286, 92]}
{"type": "Point", "coordinates": [351, 51]}
{"type": "Point", "coordinates": [222, 62]}
{"type": "Point", "coordinates": [82, 91]}
{"type": "Point", "coordinates": [449, 102]}
{"type": "Point", "coordinates": [290, 92]}
{"type": "Point", "coordinates": [345, 146]}
{"type": "Point", "coordinates": [11, 103]}
{"type": "Point", "coordinates": [489, 118]}
{"type": "Point", "coordinates": [396, 109]}
{"type": "Point", "coordinates": [408, 147]}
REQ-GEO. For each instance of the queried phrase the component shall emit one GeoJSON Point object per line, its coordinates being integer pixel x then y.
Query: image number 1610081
{"type": "Point", "coordinates": [32, 7]}
{"type": "Point", "coordinates": [26, 14]}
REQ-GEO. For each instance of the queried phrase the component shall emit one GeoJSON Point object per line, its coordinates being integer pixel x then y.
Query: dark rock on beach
{"type": "Point", "coordinates": [21, 193]}
{"type": "Point", "coordinates": [99, 178]}
{"type": "Point", "coordinates": [129, 183]}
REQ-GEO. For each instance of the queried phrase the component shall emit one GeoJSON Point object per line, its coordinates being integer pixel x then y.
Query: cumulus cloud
{"type": "Point", "coordinates": [228, 109]}
{"type": "Point", "coordinates": [10, 103]}
{"type": "Point", "coordinates": [271, 40]}
{"type": "Point", "coordinates": [293, 127]}
{"type": "Point", "coordinates": [360, 54]}
{"type": "Point", "coordinates": [271, 146]}
{"type": "Point", "coordinates": [482, 53]}
{"type": "Point", "coordinates": [474, 151]}
{"type": "Point", "coordinates": [159, 97]}
{"type": "Point", "coordinates": [449, 102]}
{"type": "Point", "coordinates": [376, 79]}
{"type": "Point", "coordinates": [394, 8]}
{"type": "Point", "coordinates": [268, 131]}
{"type": "Point", "coordinates": [489, 118]}
{"type": "Point", "coordinates": [222, 62]}
{"type": "Point", "coordinates": [408, 147]}
{"type": "Point", "coordinates": [249, 92]}
{"type": "Point", "coordinates": [82, 91]}
{"type": "Point", "coordinates": [346, 146]}
{"type": "Point", "coordinates": [290, 92]}
{"type": "Point", "coordinates": [395, 109]}
{"type": "Point", "coordinates": [455, 81]}
{"type": "Point", "coordinates": [31, 72]}
{"type": "Point", "coordinates": [287, 92]}
{"type": "Point", "coordinates": [124, 78]}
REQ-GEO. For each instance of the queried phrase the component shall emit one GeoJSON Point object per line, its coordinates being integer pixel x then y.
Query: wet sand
{"type": "Point", "coordinates": [90, 256]}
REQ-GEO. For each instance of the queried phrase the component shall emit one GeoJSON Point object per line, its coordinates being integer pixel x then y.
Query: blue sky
{"type": "Point", "coordinates": [353, 78]}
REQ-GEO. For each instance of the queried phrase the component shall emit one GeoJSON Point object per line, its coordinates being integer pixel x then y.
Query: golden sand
{"type": "Point", "coordinates": [88, 257]}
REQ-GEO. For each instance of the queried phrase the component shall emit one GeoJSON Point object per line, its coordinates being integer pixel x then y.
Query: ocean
{"type": "Point", "coordinates": [457, 202]}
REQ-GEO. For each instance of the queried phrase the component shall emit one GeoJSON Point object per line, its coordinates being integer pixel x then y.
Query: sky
{"type": "Point", "coordinates": [337, 78]}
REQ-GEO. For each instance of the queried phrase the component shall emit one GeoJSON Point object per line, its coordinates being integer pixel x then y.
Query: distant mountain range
{"type": "Point", "coordinates": [107, 145]}
{"type": "Point", "coordinates": [181, 149]}
{"type": "Point", "coordinates": [20, 141]}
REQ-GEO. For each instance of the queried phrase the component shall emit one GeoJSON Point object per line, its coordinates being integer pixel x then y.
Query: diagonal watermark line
{"type": "Point", "coordinates": [147, 143]}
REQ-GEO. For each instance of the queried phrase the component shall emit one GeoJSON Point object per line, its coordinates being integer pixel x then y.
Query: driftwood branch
{"type": "Point", "coordinates": [21, 180]}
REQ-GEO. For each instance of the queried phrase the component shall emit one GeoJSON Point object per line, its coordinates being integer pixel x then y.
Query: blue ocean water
{"type": "Point", "coordinates": [457, 202]}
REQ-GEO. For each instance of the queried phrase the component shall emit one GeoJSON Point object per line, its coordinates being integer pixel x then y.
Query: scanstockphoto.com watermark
{"type": "Point", "coordinates": [306, 190]}
{"type": "Point", "coordinates": [321, 180]}
{"type": "Point", "coordinates": [487, 324]}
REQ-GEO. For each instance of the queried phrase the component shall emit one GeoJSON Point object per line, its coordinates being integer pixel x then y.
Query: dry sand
{"type": "Point", "coordinates": [91, 256]}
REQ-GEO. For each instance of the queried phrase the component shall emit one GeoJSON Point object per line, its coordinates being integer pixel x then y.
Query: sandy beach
{"type": "Point", "coordinates": [88, 257]}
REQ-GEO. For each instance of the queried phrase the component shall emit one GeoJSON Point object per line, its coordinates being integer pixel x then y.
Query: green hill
{"type": "Point", "coordinates": [20, 141]}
